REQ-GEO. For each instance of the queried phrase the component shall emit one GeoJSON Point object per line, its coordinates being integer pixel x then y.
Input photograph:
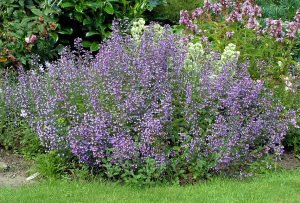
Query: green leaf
{"type": "Point", "coordinates": [60, 48]}
{"type": "Point", "coordinates": [109, 8]}
{"type": "Point", "coordinates": [66, 31]}
{"type": "Point", "coordinates": [78, 16]}
{"type": "Point", "coordinates": [67, 4]}
{"type": "Point", "coordinates": [37, 12]}
{"type": "Point", "coordinates": [86, 44]}
{"type": "Point", "coordinates": [87, 21]}
{"type": "Point", "coordinates": [94, 46]}
{"type": "Point", "coordinates": [152, 4]}
{"type": "Point", "coordinates": [54, 36]}
{"type": "Point", "coordinates": [41, 28]}
{"type": "Point", "coordinates": [79, 8]}
{"type": "Point", "coordinates": [21, 3]}
{"type": "Point", "coordinates": [88, 34]}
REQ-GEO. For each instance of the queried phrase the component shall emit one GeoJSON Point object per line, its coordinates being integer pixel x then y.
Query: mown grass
{"type": "Point", "coordinates": [275, 187]}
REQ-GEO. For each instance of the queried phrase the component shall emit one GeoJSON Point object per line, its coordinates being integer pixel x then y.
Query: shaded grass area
{"type": "Point", "coordinates": [274, 187]}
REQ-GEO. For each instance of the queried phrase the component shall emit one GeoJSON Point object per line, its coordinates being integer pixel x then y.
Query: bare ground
{"type": "Point", "coordinates": [289, 162]}
{"type": "Point", "coordinates": [15, 174]}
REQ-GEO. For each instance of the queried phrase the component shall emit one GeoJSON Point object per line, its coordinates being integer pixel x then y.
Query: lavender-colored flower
{"type": "Point", "coordinates": [229, 34]}
{"type": "Point", "coordinates": [197, 13]}
{"type": "Point", "coordinates": [185, 20]}
{"type": "Point", "coordinates": [234, 16]}
{"type": "Point", "coordinates": [292, 30]}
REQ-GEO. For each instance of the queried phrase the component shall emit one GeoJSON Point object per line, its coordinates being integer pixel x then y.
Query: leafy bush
{"type": "Point", "coordinates": [169, 11]}
{"type": "Point", "coordinates": [93, 19]}
{"type": "Point", "coordinates": [269, 42]}
{"type": "Point", "coordinates": [15, 133]}
{"type": "Point", "coordinates": [27, 28]}
{"type": "Point", "coordinates": [275, 9]}
{"type": "Point", "coordinates": [150, 108]}
{"type": "Point", "coordinates": [40, 28]}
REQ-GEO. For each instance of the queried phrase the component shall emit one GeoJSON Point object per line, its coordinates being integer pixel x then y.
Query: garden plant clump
{"type": "Point", "coordinates": [270, 46]}
{"type": "Point", "coordinates": [272, 41]}
{"type": "Point", "coordinates": [151, 108]}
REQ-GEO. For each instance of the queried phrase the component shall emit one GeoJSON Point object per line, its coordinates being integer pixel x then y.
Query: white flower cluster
{"type": "Point", "coordinates": [230, 54]}
{"type": "Point", "coordinates": [194, 56]}
{"type": "Point", "coordinates": [158, 29]}
{"type": "Point", "coordinates": [137, 29]}
{"type": "Point", "coordinates": [288, 83]}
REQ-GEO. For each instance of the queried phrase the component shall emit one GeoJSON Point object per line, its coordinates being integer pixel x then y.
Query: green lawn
{"type": "Point", "coordinates": [276, 187]}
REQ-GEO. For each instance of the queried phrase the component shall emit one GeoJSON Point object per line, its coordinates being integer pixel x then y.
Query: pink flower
{"type": "Point", "coordinates": [292, 29]}
{"type": "Point", "coordinates": [229, 34]}
{"type": "Point", "coordinates": [196, 13]}
{"type": "Point", "coordinates": [31, 39]}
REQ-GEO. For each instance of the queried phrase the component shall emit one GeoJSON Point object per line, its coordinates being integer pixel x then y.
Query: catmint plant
{"type": "Point", "coordinates": [157, 101]}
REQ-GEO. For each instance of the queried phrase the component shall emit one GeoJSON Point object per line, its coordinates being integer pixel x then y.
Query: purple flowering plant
{"type": "Point", "coordinates": [241, 23]}
{"type": "Point", "coordinates": [137, 111]}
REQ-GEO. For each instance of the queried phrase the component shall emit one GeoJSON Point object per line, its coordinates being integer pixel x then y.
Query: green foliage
{"type": "Point", "coordinates": [51, 165]}
{"type": "Point", "coordinates": [169, 11]}
{"type": "Point", "coordinates": [291, 100]}
{"type": "Point", "coordinates": [263, 166]}
{"type": "Point", "coordinates": [275, 9]}
{"type": "Point", "coordinates": [262, 52]}
{"type": "Point", "coordinates": [52, 22]}
{"type": "Point", "coordinates": [21, 19]}
{"type": "Point", "coordinates": [93, 18]}
{"type": "Point", "coordinates": [56, 164]}
{"type": "Point", "coordinates": [15, 134]}
{"type": "Point", "coordinates": [292, 141]}
{"type": "Point", "coordinates": [149, 174]}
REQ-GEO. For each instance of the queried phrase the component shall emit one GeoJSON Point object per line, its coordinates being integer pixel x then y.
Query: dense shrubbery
{"type": "Point", "coordinates": [267, 41]}
{"type": "Point", "coordinates": [169, 11]}
{"type": "Point", "coordinates": [27, 28]}
{"type": "Point", "coordinates": [31, 27]}
{"type": "Point", "coordinates": [270, 46]}
{"type": "Point", "coordinates": [151, 108]}
{"type": "Point", "coordinates": [275, 9]}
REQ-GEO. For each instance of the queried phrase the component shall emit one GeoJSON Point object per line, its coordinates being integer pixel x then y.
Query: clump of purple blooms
{"type": "Point", "coordinates": [135, 101]}
{"type": "Point", "coordinates": [246, 13]}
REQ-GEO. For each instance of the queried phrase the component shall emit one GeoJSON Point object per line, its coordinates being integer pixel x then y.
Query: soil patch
{"type": "Point", "coordinates": [15, 173]}
{"type": "Point", "coordinates": [289, 162]}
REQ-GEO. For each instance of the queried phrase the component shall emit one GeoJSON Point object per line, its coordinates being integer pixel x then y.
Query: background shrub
{"type": "Point", "coordinates": [39, 29]}
{"type": "Point", "coordinates": [27, 28]}
{"type": "Point", "coordinates": [222, 24]}
{"type": "Point", "coordinates": [169, 11]}
{"type": "Point", "coordinates": [270, 46]}
{"type": "Point", "coordinates": [275, 9]}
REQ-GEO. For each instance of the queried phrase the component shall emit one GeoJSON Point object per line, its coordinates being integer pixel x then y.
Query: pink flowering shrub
{"type": "Point", "coordinates": [258, 39]}
{"type": "Point", "coordinates": [136, 111]}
